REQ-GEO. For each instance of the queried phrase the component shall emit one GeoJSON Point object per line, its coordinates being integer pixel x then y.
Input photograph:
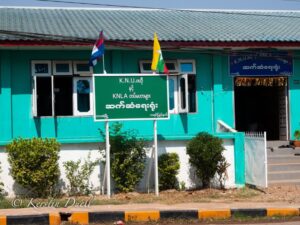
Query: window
{"type": "Point", "coordinates": [82, 68]}
{"type": "Point", "coordinates": [82, 97]}
{"type": "Point", "coordinates": [60, 93]}
{"type": "Point", "coordinates": [182, 84]}
{"type": "Point", "coordinates": [41, 68]}
{"type": "Point", "coordinates": [62, 68]}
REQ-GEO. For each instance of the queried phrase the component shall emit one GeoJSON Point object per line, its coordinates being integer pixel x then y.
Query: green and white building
{"type": "Point", "coordinates": [229, 70]}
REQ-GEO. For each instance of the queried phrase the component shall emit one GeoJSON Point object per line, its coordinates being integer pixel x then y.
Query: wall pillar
{"type": "Point", "coordinates": [6, 131]}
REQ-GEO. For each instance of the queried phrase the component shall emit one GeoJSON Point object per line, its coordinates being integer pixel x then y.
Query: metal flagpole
{"type": "Point", "coordinates": [107, 159]}
{"type": "Point", "coordinates": [103, 64]}
{"type": "Point", "coordinates": [155, 158]}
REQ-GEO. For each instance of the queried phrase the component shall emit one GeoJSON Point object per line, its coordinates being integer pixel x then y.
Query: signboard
{"type": "Point", "coordinates": [130, 97]}
{"type": "Point", "coordinates": [261, 64]}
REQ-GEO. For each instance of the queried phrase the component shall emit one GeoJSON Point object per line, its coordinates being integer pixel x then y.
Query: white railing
{"type": "Point", "coordinates": [250, 134]}
{"type": "Point", "coordinates": [256, 158]}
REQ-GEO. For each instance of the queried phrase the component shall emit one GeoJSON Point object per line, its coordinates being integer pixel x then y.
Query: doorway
{"type": "Point", "coordinates": [261, 105]}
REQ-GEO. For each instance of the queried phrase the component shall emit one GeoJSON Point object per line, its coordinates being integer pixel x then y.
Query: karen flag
{"type": "Point", "coordinates": [98, 50]}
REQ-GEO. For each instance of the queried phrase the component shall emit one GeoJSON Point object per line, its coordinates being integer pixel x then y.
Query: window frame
{"type": "Point", "coordinates": [192, 61]}
{"type": "Point", "coordinates": [34, 62]}
{"type": "Point", "coordinates": [82, 73]}
{"type": "Point", "coordinates": [180, 100]}
{"type": "Point", "coordinates": [52, 73]}
{"type": "Point", "coordinates": [34, 91]}
{"type": "Point", "coordinates": [175, 79]}
{"type": "Point", "coordinates": [55, 72]}
{"type": "Point", "coordinates": [175, 71]}
{"type": "Point", "coordinates": [76, 112]}
{"type": "Point", "coordinates": [176, 75]}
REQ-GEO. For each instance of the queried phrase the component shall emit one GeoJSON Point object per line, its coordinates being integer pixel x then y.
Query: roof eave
{"type": "Point", "coordinates": [148, 44]}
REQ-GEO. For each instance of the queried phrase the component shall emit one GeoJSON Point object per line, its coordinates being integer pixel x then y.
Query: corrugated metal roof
{"type": "Point", "coordinates": [139, 25]}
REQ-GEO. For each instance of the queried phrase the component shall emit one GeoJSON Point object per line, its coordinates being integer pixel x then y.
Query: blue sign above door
{"type": "Point", "coordinates": [261, 64]}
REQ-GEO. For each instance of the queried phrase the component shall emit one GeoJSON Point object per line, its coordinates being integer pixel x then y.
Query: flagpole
{"type": "Point", "coordinates": [103, 63]}
{"type": "Point", "coordinates": [155, 158]}
{"type": "Point", "coordinates": [156, 182]}
{"type": "Point", "coordinates": [108, 193]}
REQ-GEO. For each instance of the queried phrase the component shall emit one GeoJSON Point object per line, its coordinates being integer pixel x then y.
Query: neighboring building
{"type": "Point", "coordinates": [44, 54]}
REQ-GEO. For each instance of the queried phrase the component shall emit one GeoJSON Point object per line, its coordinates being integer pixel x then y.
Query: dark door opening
{"type": "Point", "coordinates": [257, 108]}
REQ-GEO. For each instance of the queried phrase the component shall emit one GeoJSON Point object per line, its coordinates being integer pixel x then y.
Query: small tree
{"type": "Point", "coordinates": [1, 184]}
{"type": "Point", "coordinates": [168, 167]}
{"type": "Point", "coordinates": [128, 157]}
{"type": "Point", "coordinates": [34, 164]}
{"type": "Point", "coordinates": [205, 152]}
{"type": "Point", "coordinates": [78, 175]}
{"type": "Point", "coordinates": [222, 172]}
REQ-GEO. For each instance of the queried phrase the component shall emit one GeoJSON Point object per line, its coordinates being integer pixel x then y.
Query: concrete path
{"type": "Point", "coordinates": [151, 206]}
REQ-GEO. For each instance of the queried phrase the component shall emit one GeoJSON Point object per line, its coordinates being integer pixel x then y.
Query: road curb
{"type": "Point", "coordinates": [40, 219]}
{"type": "Point", "coordinates": [84, 218]}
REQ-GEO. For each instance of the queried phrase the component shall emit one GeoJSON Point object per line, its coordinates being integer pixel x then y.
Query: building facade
{"type": "Point", "coordinates": [47, 90]}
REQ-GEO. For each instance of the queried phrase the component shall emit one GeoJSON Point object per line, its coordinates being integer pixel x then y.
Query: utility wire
{"type": "Point", "coordinates": [254, 13]}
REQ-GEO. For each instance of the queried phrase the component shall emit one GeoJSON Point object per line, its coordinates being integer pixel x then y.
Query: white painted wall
{"type": "Point", "coordinates": [80, 151]}
{"type": "Point", "coordinates": [68, 152]}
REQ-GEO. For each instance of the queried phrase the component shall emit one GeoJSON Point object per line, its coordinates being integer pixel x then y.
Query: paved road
{"type": "Point", "coordinates": [205, 223]}
{"type": "Point", "coordinates": [281, 223]}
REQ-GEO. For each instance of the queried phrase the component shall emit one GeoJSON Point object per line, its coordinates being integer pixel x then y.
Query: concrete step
{"type": "Point", "coordinates": [283, 167]}
{"type": "Point", "coordinates": [283, 175]}
{"type": "Point", "coordinates": [277, 143]}
{"type": "Point", "coordinates": [284, 182]}
{"type": "Point", "coordinates": [283, 159]}
{"type": "Point", "coordinates": [287, 155]}
{"type": "Point", "coordinates": [282, 151]}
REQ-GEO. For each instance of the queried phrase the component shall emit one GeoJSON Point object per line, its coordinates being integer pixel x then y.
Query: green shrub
{"type": "Point", "coordinates": [128, 157]}
{"type": "Point", "coordinates": [182, 186]}
{"type": "Point", "coordinates": [34, 164]}
{"type": "Point", "coordinates": [222, 172]}
{"type": "Point", "coordinates": [205, 153]}
{"type": "Point", "coordinates": [78, 175]}
{"type": "Point", "coordinates": [168, 167]}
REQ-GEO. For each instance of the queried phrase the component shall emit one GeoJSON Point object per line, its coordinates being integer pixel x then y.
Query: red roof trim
{"type": "Point", "coordinates": [168, 44]}
{"type": "Point", "coordinates": [41, 43]}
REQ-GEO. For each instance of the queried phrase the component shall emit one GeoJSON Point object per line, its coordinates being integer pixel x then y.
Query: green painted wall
{"type": "Point", "coordinates": [213, 85]}
{"type": "Point", "coordinates": [222, 91]}
{"type": "Point", "coordinates": [6, 130]}
{"type": "Point", "coordinates": [294, 97]}
{"type": "Point", "coordinates": [214, 97]}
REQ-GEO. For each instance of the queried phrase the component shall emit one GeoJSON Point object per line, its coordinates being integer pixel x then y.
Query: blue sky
{"type": "Point", "coordinates": [185, 4]}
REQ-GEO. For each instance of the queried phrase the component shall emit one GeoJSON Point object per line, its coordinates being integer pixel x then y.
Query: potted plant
{"type": "Point", "coordinates": [297, 138]}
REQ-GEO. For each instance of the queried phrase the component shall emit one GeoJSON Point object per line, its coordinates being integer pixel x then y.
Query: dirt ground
{"type": "Point", "coordinates": [284, 194]}
{"type": "Point", "coordinates": [289, 194]}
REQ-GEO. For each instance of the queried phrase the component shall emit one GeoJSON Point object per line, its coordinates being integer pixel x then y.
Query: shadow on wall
{"type": "Point", "coordinates": [186, 174]}
{"type": "Point", "coordinates": [20, 191]}
{"type": "Point", "coordinates": [37, 123]}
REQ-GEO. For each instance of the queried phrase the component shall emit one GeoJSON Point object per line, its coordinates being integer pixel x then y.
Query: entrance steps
{"type": "Point", "coordinates": [283, 163]}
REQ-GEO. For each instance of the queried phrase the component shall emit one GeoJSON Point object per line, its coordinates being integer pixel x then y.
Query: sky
{"type": "Point", "coordinates": [178, 4]}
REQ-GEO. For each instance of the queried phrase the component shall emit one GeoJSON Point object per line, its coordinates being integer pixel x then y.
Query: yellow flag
{"type": "Point", "coordinates": [158, 63]}
{"type": "Point", "coordinates": [156, 53]}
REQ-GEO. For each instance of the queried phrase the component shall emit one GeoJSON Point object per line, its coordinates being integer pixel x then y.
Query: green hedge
{"type": "Point", "coordinates": [128, 156]}
{"type": "Point", "coordinates": [168, 168]}
{"type": "Point", "coordinates": [34, 164]}
{"type": "Point", "coordinates": [205, 152]}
